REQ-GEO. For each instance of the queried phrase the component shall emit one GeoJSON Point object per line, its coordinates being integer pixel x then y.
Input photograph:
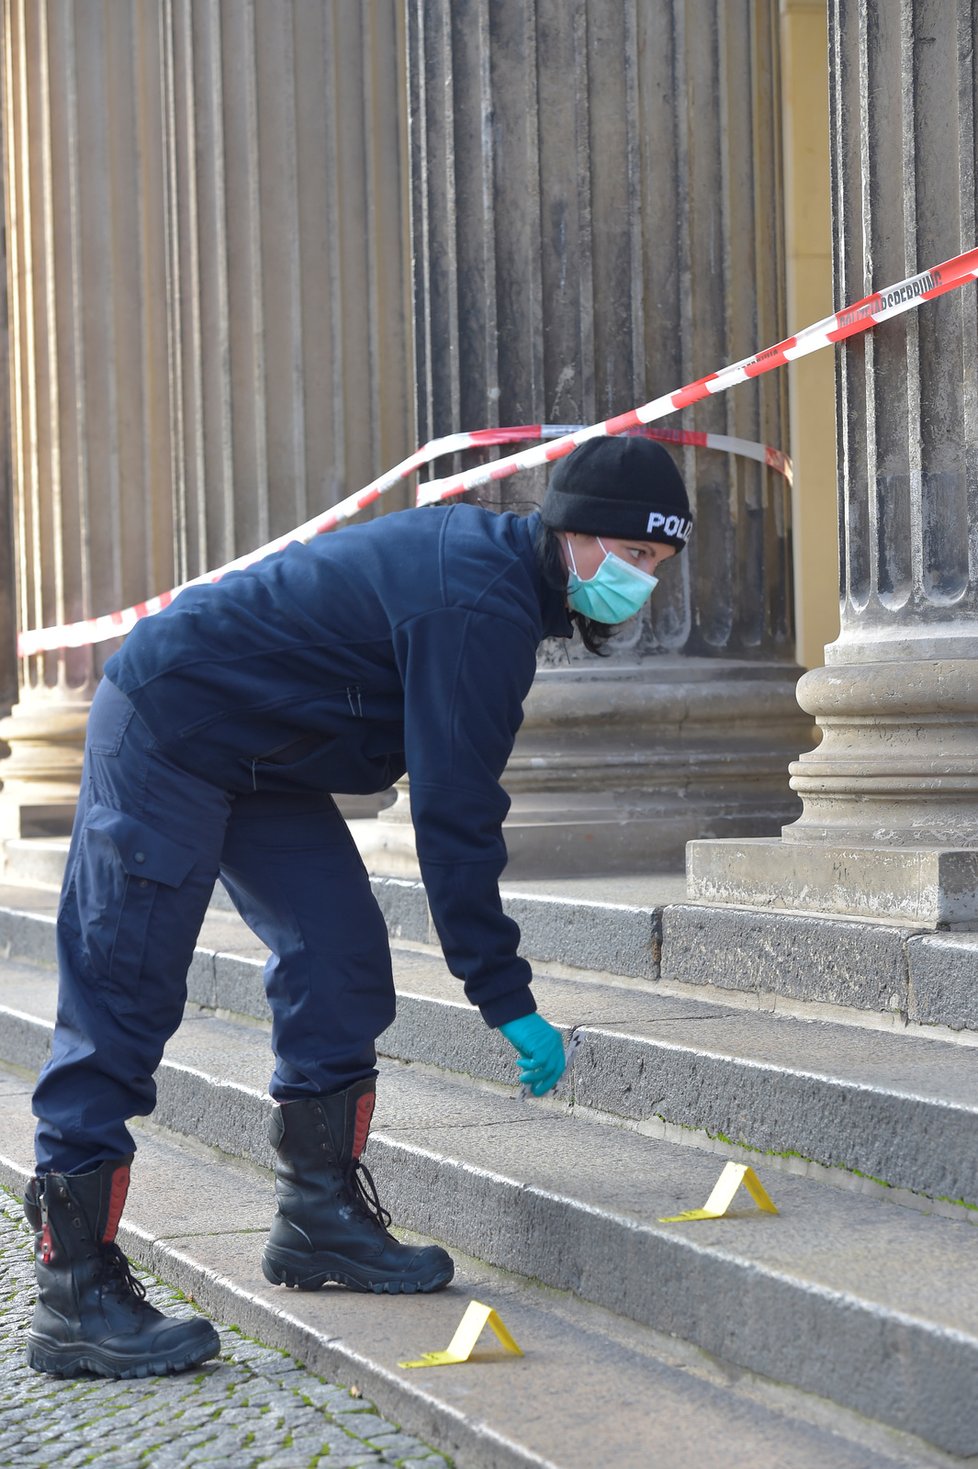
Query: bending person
{"type": "Point", "coordinates": [216, 741]}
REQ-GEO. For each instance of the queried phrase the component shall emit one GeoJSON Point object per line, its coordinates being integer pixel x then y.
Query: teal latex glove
{"type": "Point", "coordinates": [541, 1051]}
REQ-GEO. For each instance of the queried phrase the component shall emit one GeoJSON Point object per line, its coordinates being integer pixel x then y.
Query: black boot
{"type": "Point", "coordinates": [90, 1314]}
{"type": "Point", "coordinates": [329, 1226]}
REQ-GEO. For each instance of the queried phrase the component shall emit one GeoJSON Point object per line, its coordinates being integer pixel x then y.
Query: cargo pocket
{"type": "Point", "coordinates": [111, 717]}
{"type": "Point", "coordinates": [121, 867]}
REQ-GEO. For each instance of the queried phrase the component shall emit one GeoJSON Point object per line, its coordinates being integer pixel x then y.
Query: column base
{"type": "Point", "coordinates": [590, 839]}
{"type": "Point", "coordinates": [897, 765]}
{"type": "Point", "coordinates": [41, 775]}
{"type": "Point", "coordinates": [928, 887]}
{"type": "Point", "coordinates": [617, 768]}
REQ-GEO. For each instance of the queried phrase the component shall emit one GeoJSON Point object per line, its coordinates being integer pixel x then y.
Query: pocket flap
{"type": "Point", "coordinates": [142, 851]}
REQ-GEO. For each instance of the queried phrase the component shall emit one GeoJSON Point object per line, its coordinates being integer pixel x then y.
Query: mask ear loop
{"type": "Point", "coordinates": [570, 552]}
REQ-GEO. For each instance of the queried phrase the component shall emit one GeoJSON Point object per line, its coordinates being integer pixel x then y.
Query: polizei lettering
{"type": "Point", "coordinates": [908, 291]}
{"type": "Point", "coordinates": [670, 525]}
{"type": "Point", "coordinates": [886, 300]}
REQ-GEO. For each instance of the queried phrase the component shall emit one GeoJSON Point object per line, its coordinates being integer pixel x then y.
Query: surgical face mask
{"type": "Point", "coordinates": [614, 593]}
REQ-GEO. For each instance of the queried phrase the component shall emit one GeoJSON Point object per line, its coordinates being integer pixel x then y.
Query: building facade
{"type": "Point", "coordinates": [255, 254]}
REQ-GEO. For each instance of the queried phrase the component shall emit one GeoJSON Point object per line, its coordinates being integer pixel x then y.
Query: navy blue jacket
{"type": "Point", "coordinates": [408, 643]}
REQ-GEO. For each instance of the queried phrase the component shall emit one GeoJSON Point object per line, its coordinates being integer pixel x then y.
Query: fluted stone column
{"type": "Point", "coordinates": [207, 222]}
{"type": "Point", "coordinates": [596, 208]}
{"type": "Point", "coordinates": [85, 297]}
{"type": "Point", "coordinates": [890, 820]}
{"type": "Point", "coordinates": [8, 600]}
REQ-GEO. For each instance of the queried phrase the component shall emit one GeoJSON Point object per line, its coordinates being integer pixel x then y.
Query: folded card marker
{"type": "Point", "coordinates": [477, 1317]}
{"type": "Point", "coordinates": [733, 1177]}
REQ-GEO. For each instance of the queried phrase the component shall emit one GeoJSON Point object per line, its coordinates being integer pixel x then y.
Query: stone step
{"type": "Point", "coordinates": [869, 1306]}
{"type": "Point", "coordinates": [894, 1110]}
{"type": "Point", "coordinates": [861, 967]}
{"type": "Point", "coordinates": [644, 928]}
{"type": "Point", "coordinates": [607, 925]}
{"type": "Point", "coordinates": [591, 1388]}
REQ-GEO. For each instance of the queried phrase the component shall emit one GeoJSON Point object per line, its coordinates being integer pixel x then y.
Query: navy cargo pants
{"type": "Point", "coordinates": [149, 843]}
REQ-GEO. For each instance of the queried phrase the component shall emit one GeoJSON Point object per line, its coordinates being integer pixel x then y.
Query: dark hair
{"type": "Point", "coordinates": [594, 635]}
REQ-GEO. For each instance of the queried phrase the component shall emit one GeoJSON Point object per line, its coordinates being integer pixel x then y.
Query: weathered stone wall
{"type": "Point", "coordinates": [213, 333]}
{"type": "Point", "coordinates": [597, 214]}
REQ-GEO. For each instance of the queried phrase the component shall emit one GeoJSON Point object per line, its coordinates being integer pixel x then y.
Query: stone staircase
{"type": "Point", "coordinates": [840, 1334]}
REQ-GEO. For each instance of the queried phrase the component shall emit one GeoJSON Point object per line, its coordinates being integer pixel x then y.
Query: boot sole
{"type": "Point", "coordinates": [300, 1274]}
{"type": "Point", "coordinates": [59, 1359]}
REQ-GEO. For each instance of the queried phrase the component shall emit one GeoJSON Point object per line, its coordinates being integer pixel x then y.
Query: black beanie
{"type": "Point", "coordinates": [622, 486]}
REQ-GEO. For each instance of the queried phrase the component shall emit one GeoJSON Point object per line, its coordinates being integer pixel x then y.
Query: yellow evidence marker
{"type": "Point", "coordinates": [718, 1204]}
{"type": "Point", "coordinates": [477, 1317]}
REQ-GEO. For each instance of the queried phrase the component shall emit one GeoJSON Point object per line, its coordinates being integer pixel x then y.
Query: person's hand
{"type": "Point", "coordinates": [541, 1051]}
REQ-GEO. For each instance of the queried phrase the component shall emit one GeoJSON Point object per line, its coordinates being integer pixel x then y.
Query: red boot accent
{"type": "Point", "coordinates": [117, 1202]}
{"type": "Point", "coordinates": [361, 1123]}
{"type": "Point", "coordinates": [47, 1245]}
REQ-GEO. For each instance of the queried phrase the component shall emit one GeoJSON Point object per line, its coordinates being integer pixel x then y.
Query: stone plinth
{"type": "Point", "coordinates": [928, 887]}
{"type": "Point", "coordinates": [593, 778]}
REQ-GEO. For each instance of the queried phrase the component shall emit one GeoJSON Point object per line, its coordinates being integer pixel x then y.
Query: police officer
{"type": "Point", "coordinates": [220, 729]}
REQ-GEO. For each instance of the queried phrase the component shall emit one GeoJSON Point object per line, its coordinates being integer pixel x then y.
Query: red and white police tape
{"type": "Point", "coordinates": [849, 321]}
{"type": "Point", "coordinates": [115, 624]}
{"type": "Point", "coordinates": [880, 306]}
{"type": "Point", "coordinates": [492, 437]}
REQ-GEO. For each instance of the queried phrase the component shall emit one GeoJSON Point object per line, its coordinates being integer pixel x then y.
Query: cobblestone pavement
{"type": "Point", "coordinates": [253, 1406]}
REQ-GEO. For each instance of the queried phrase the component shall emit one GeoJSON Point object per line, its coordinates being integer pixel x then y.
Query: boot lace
{"type": "Point", "coordinates": [365, 1194]}
{"type": "Point", "coordinates": [117, 1274]}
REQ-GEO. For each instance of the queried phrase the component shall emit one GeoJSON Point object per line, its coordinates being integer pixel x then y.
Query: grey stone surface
{"type": "Point", "coordinates": [589, 1390]}
{"type": "Point", "coordinates": [253, 1406]}
{"type": "Point", "coordinates": [26, 1038]}
{"type": "Point", "coordinates": [944, 980]}
{"type": "Point", "coordinates": [27, 924]}
{"type": "Point", "coordinates": [34, 860]}
{"type": "Point", "coordinates": [565, 928]}
{"type": "Point", "coordinates": [560, 922]}
{"type": "Point", "coordinates": [651, 890]}
{"type": "Point", "coordinates": [927, 887]}
{"type": "Point", "coordinates": [839, 961]}
{"type": "Point", "coordinates": [41, 860]}
{"type": "Point", "coordinates": [808, 1106]}
{"type": "Point", "coordinates": [883, 1105]}
{"type": "Point", "coordinates": [239, 985]}
{"type": "Point", "coordinates": [405, 908]}
{"type": "Point", "coordinates": [606, 937]}
{"type": "Point", "coordinates": [516, 1186]}
{"type": "Point", "coordinates": [200, 978]}
{"type": "Point", "coordinates": [810, 1298]}
{"type": "Point", "coordinates": [862, 965]}
{"type": "Point", "coordinates": [445, 1033]}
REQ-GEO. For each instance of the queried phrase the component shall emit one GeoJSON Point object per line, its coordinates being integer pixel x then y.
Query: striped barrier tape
{"type": "Point", "coordinates": [745, 448]}
{"type": "Point", "coordinates": [851, 320]}
{"type": "Point", "coordinates": [880, 306]}
{"type": "Point", "coordinates": [115, 624]}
